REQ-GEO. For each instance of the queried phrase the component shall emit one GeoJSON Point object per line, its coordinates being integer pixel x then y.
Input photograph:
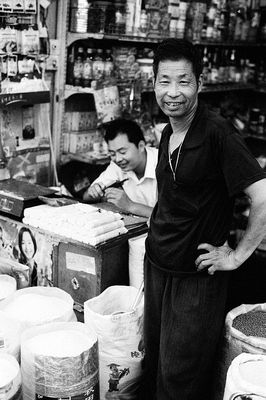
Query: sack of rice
{"type": "Point", "coordinates": [39, 305]}
{"type": "Point", "coordinates": [245, 332]}
{"type": "Point", "coordinates": [60, 360]}
{"type": "Point", "coordinates": [246, 377]}
{"type": "Point", "coordinates": [8, 285]}
{"type": "Point", "coordinates": [10, 331]}
{"type": "Point", "coordinates": [10, 378]}
{"type": "Point", "coordinates": [136, 259]}
{"type": "Point", "coordinates": [119, 327]}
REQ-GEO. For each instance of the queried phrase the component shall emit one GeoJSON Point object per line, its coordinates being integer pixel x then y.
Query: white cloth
{"type": "Point", "coordinates": [142, 190]}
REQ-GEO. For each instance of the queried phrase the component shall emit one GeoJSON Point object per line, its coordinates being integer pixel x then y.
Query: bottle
{"type": "Point", "coordinates": [205, 65]}
{"type": "Point", "coordinates": [70, 67]}
{"type": "Point", "coordinates": [260, 76]}
{"type": "Point", "coordinates": [108, 64]}
{"type": "Point", "coordinates": [232, 67]}
{"type": "Point", "coordinates": [87, 68]}
{"type": "Point", "coordinates": [222, 65]}
{"type": "Point", "coordinates": [215, 68]}
{"type": "Point", "coordinates": [98, 65]}
{"type": "Point", "coordinates": [143, 23]}
{"type": "Point", "coordinates": [78, 67]}
{"type": "Point", "coordinates": [211, 14]}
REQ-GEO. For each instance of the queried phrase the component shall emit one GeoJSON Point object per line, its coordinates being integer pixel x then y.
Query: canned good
{"type": "Point", "coordinates": [78, 20]}
{"type": "Point", "coordinates": [79, 4]}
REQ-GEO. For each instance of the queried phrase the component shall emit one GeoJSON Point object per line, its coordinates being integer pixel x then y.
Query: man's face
{"type": "Point", "coordinates": [124, 153]}
{"type": "Point", "coordinates": [176, 88]}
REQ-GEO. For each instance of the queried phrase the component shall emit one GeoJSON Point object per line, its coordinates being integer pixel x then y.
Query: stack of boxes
{"type": "Point", "coordinates": [81, 132]}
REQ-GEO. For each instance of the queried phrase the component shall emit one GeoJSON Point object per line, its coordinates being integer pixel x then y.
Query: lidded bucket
{"type": "Point", "coordinates": [8, 285]}
{"type": "Point", "coordinates": [9, 336]}
{"type": "Point", "coordinates": [10, 378]}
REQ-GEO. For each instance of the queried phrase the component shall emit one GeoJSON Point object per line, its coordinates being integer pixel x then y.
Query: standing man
{"type": "Point", "coordinates": [131, 161]}
{"type": "Point", "coordinates": [203, 164]}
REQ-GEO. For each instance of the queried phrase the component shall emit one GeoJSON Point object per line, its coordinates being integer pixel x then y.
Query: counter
{"type": "Point", "coordinates": [82, 270]}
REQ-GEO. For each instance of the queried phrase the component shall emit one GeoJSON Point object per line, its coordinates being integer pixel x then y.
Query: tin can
{"type": "Point", "coordinates": [78, 20]}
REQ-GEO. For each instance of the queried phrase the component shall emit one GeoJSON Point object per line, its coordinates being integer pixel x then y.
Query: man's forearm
{"type": "Point", "coordinates": [253, 235]}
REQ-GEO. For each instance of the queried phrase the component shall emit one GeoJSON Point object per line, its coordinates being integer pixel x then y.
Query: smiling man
{"type": "Point", "coordinates": [203, 164]}
{"type": "Point", "coordinates": [132, 162]}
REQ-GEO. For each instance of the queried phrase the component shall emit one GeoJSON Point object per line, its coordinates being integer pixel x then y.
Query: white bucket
{"type": "Point", "coordinates": [246, 377]}
{"type": "Point", "coordinates": [38, 305]}
{"type": "Point", "coordinates": [10, 378]}
{"type": "Point", "coordinates": [120, 334]}
{"type": "Point", "coordinates": [9, 336]}
{"type": "Point", "coordinates": [8, 285]}
{"type": "Point", "coordinates": [60, 360]}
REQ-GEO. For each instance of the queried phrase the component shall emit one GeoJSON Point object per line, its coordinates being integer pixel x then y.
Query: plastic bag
{"type": "Point", "coordinates": [120, 335]}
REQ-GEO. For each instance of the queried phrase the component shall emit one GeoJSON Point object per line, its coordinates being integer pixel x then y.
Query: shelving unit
{"type": "Point", "coordinates": [68, 92]}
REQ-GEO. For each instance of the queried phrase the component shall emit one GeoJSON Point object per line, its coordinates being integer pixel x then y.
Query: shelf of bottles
{"type": "Point", "coordinates": [21, 77]}
{"type": "Point", "coordinates": [224, 30]}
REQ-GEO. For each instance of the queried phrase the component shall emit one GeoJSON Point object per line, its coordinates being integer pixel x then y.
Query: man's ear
{"type": "Point", "coordinates": [141, 145]}
{"type": "Point", "coordinates": [200, 83]}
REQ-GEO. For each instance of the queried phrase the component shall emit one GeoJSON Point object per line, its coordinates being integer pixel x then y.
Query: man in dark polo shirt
{"type": "Point", "coordinates": [203, 164]}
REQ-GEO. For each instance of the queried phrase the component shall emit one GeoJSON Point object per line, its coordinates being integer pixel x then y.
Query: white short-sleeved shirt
{"type": "Point", "coordinates": [142, 190]}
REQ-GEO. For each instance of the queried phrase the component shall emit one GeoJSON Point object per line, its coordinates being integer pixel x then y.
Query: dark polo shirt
{"type": "Point", "coordinates": [197, 207]}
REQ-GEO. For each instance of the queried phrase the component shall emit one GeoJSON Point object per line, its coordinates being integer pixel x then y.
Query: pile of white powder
{"type": "Point", "coordinates": [7, 372]}
{"type": "Point", "coordinates": [61, 343]}
{"type": "Point", "coordinates": [36, 308]}
{"type": "Point", "coordinates": [5, 289]}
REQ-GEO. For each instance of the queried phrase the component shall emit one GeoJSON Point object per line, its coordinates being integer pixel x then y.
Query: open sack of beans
{"type": "Point", "coordinates": [245, 332]}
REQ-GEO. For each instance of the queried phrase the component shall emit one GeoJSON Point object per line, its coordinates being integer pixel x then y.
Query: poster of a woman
{"type": "Point", "coordinates": [28, 246]}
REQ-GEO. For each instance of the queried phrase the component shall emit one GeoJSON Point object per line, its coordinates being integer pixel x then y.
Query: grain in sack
{"type": "Point", "coordinates": [38, 305]}
{"type": "Point", "coordinates": [245, 332]}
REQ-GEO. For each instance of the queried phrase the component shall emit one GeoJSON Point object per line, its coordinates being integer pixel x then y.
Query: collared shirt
{"type": "Point", "coordinates": [142, 190]}
{"type": "Point", "coordinates": [197, 206]}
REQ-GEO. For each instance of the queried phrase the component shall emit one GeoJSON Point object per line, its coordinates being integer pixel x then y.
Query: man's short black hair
{"type": "Point", "coordinates": [177, 49]}
{"type": "Point", "coordinates": [126, 127]}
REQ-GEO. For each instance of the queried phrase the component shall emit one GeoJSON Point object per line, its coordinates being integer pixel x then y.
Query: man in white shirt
{"type": "Point", "coordinates": [132, 161]}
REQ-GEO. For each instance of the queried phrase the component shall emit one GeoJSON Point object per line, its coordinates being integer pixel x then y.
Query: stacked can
{"type": "Point", "coordinates": [79, 10]}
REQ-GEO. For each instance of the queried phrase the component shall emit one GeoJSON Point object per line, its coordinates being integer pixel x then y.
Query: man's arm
{"type": "Point", "coordinates": [224, 258]}
{"type": "Point", "coordinates": [125, 204]}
